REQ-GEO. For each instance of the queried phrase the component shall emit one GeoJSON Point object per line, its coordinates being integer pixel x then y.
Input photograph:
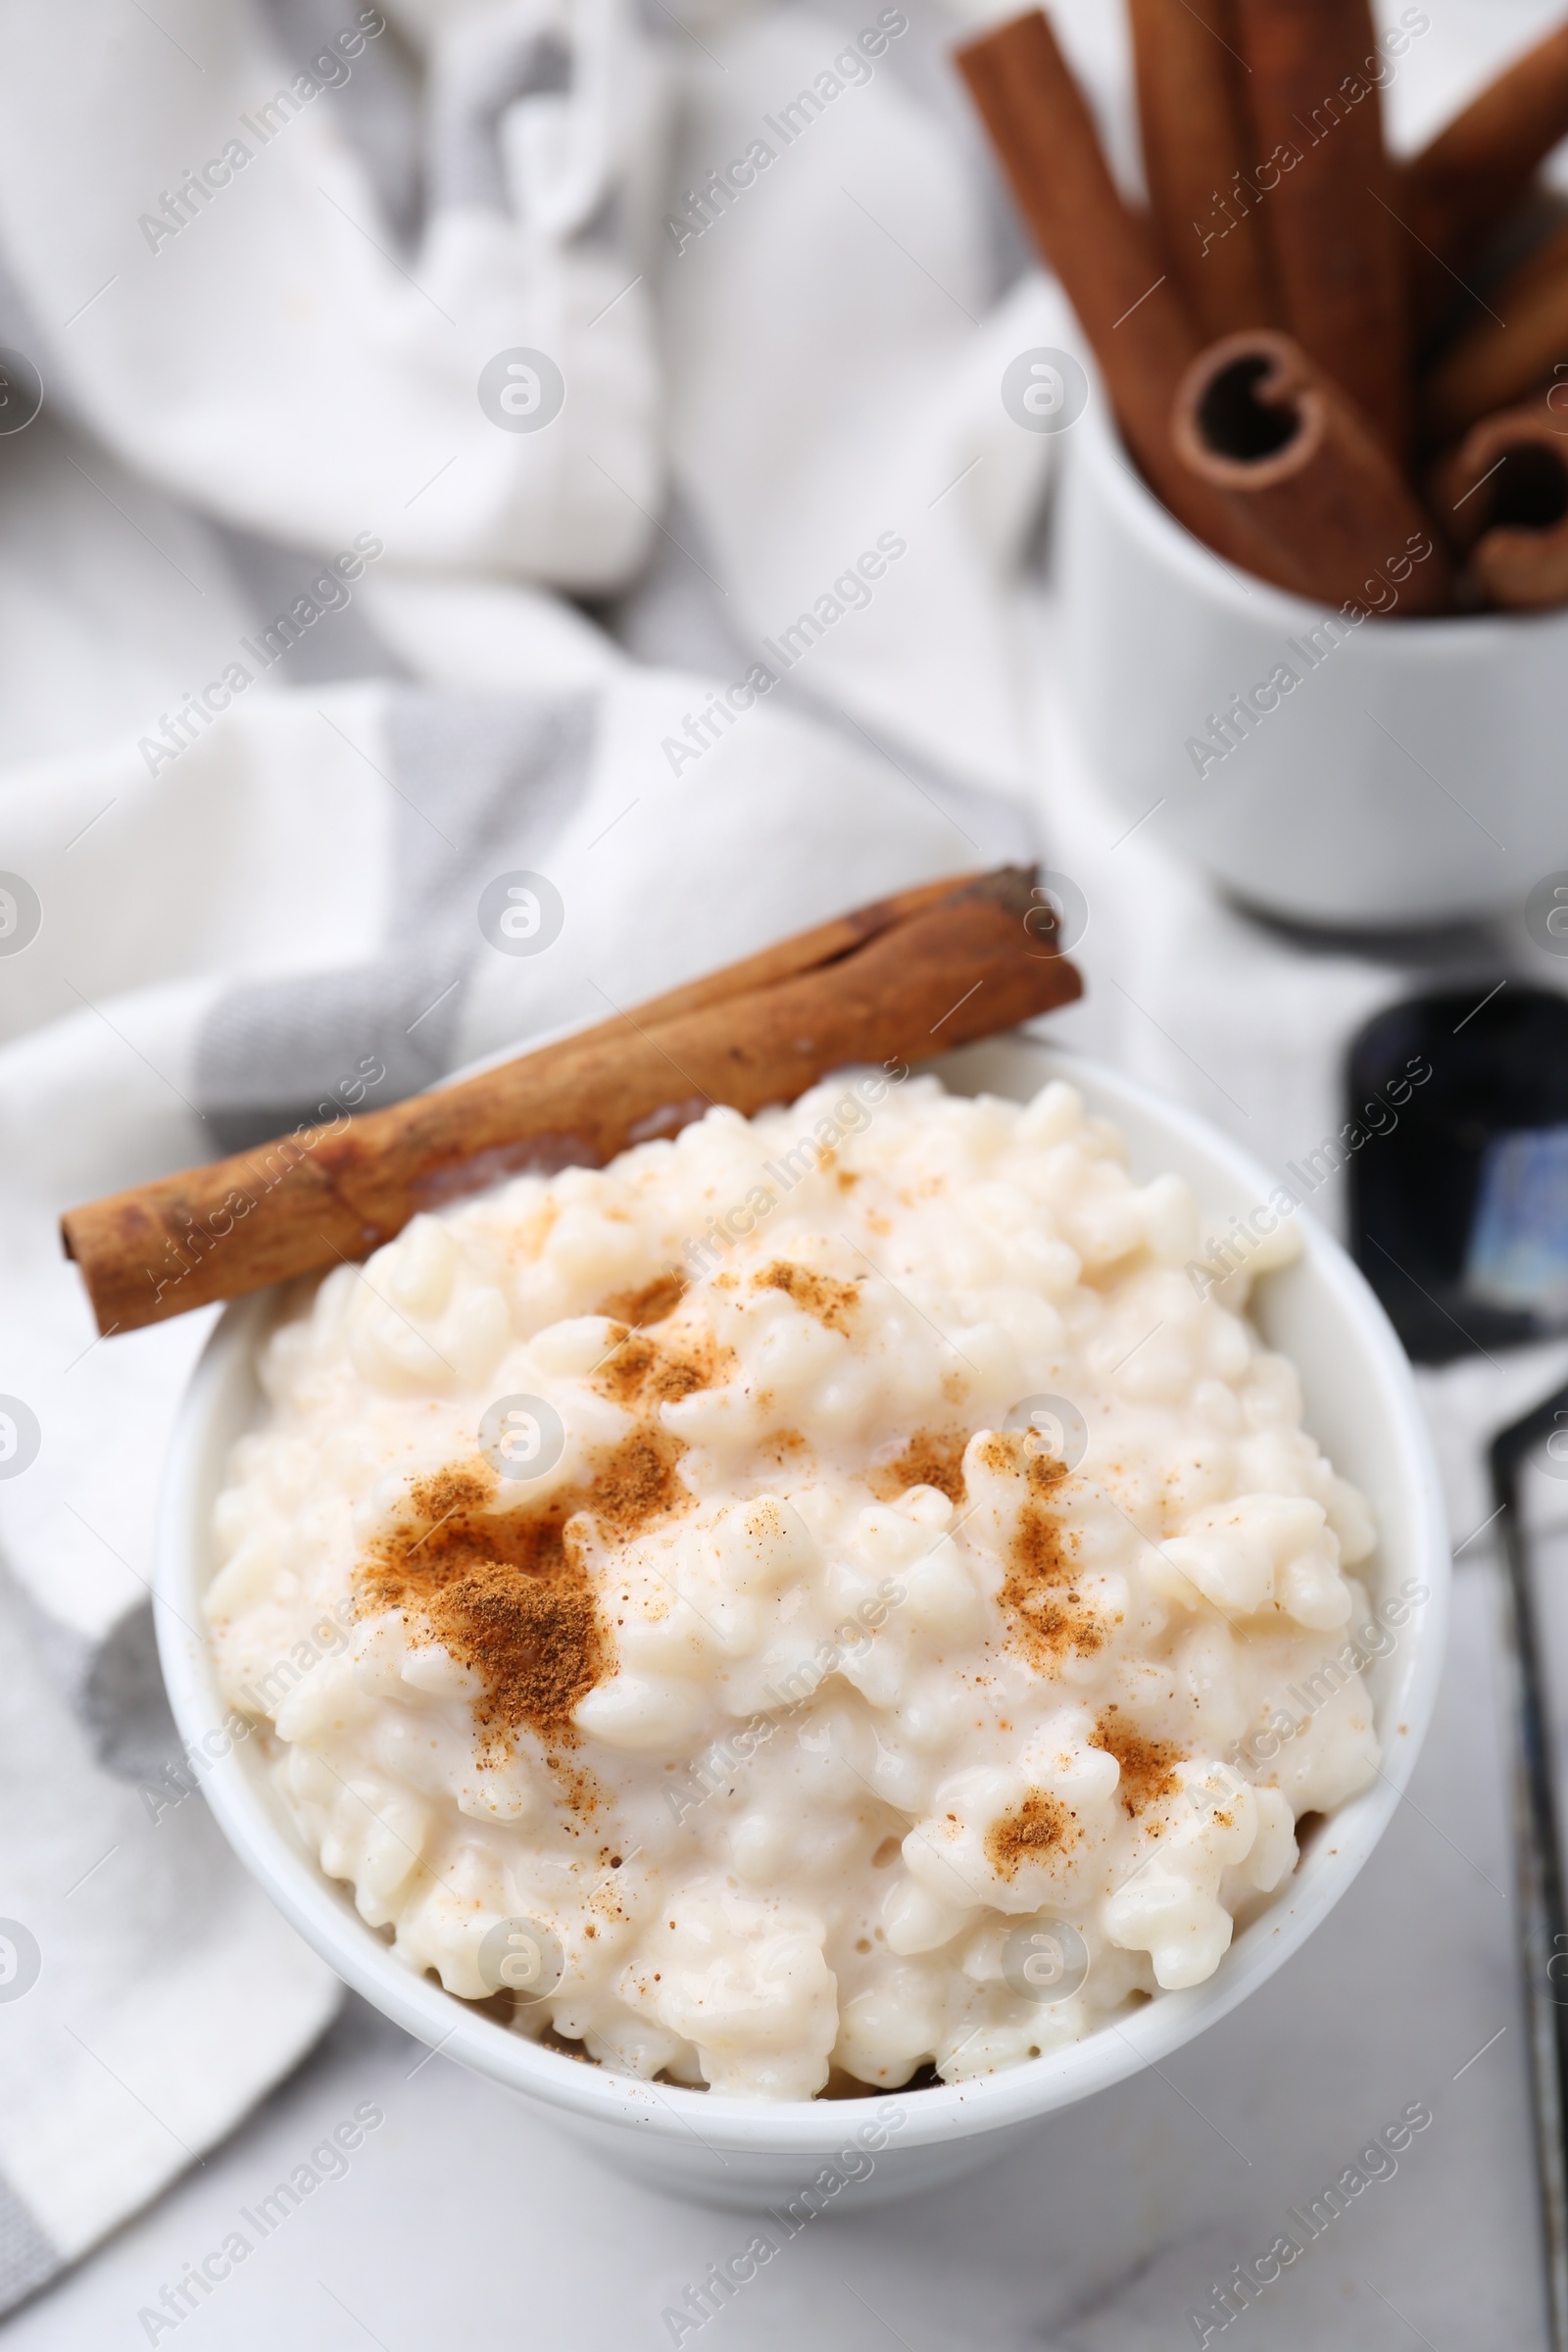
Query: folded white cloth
{"type": "Point", "coordinates": [222, 303]}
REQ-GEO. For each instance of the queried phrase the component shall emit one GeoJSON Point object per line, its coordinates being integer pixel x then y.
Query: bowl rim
{"type": "Point", "coordinates": [323, 1914]}
{"type": "Point", "coordinates": [1246, 596]}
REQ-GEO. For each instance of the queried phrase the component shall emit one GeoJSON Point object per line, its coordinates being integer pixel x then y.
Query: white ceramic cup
{"type": "Point", "coordinates": [1360, 1405]}
{"type": "Point", "coordinates": [1413, 773]}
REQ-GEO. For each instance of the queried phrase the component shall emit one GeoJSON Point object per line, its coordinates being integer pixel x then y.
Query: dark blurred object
{"type": "Point", "coordinates": [1459, 1220]}
{"type": "Point", "coordinates": [1542, 1919]}
{"type": "Point", "coordinates": [1459, 1211]}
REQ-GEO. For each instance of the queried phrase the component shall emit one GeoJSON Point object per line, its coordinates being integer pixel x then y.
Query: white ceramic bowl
{"type": "Point", "coordinates": [1411, 776]}
{"type": "Point", "coordinates": [1360, 1405]}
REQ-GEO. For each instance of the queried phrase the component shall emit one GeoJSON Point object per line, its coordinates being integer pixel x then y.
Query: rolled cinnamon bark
{"type": "Point", "coordinates": [1504, 357]}
{"type": "Point", "coordinates": [1502, 495]}
{"type": "Point", "coordinates": [1329, 219]}
{"type": "Point", "coordinates": [1106, 257]}
{"type": "Point", "coordinates": [1467, 181]}
{"type": "Point", "coordinates": [960, 967]}
{"type": "Point", "coordinates": [803, 952]}
{"type": "Point", "coordinates": [1204, 206]}
{"type": "Point", "coordinates": [1261, 425]}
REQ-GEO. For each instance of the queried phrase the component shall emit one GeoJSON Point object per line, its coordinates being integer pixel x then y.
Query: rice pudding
{"type": "Point", "coordinates": [825, 1598]}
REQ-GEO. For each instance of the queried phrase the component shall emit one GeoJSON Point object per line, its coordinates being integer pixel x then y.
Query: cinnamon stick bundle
{"type": "Point", "coordinates": [1192, 117]}
{"type": "Point", "coordinates": [1258, 422]}
{"type": "Point", "coordinates": [1504, 356]}
{"type": "Point", "coordinates": [1503, 497]}
{"type": "Point", "coordinates": [1313, 95]}
{"type": "Point", "coordinates": [1465, 182]}
{"type": "Point", "coordinates": [1106, 256]}
{"type": "Point", "coordinates": [901, 980]}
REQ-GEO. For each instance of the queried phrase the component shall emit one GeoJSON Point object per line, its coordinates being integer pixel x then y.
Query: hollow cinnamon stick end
{"type": "Point", "coordinates": [1503, 497]}
{"type": "Point", "coordinates": [1513, 467]}
{"type": "Point", "coordinates": [1261, 425]}
{"type": "Point", "coordinates": [1248, 411]}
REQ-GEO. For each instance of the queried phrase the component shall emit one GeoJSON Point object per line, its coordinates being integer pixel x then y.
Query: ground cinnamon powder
{"type": "Point", "coordinates": [933, 1458]}
{"type": "Point", "coordinates": [650, 1303]}
{"type": "Point", "coordinates": [1148, 1771]}
{"type": "Point", "coordinates": [1041, 1826]}
{"type": "Point", "coordinates": [642, 1370]}
{"type": "Point", "coordinates": [831, 1303]}
{"type": "Point", "coordinates": [636, 1483]}
{"type": "Point", "coordinates": [508, 1592]}
{"type": "Point", "coordinates": [1046, 1616]}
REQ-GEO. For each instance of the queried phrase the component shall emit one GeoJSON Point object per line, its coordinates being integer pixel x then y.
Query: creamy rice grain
{"type": "Point", "coordinates": [812, 1674]}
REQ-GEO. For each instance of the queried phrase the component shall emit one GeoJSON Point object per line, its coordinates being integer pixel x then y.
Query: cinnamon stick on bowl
{"type": "Point", "coordinates": [1260, 424]}
{"type": "Point", "coordinates": [1502, 496]}
{"type": "Point", "coordinates": [895, 981]}
{"type": "Point", "coordinates": [1196, 163]}
{"type": "Point", "coordinates": [1338, 251]}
